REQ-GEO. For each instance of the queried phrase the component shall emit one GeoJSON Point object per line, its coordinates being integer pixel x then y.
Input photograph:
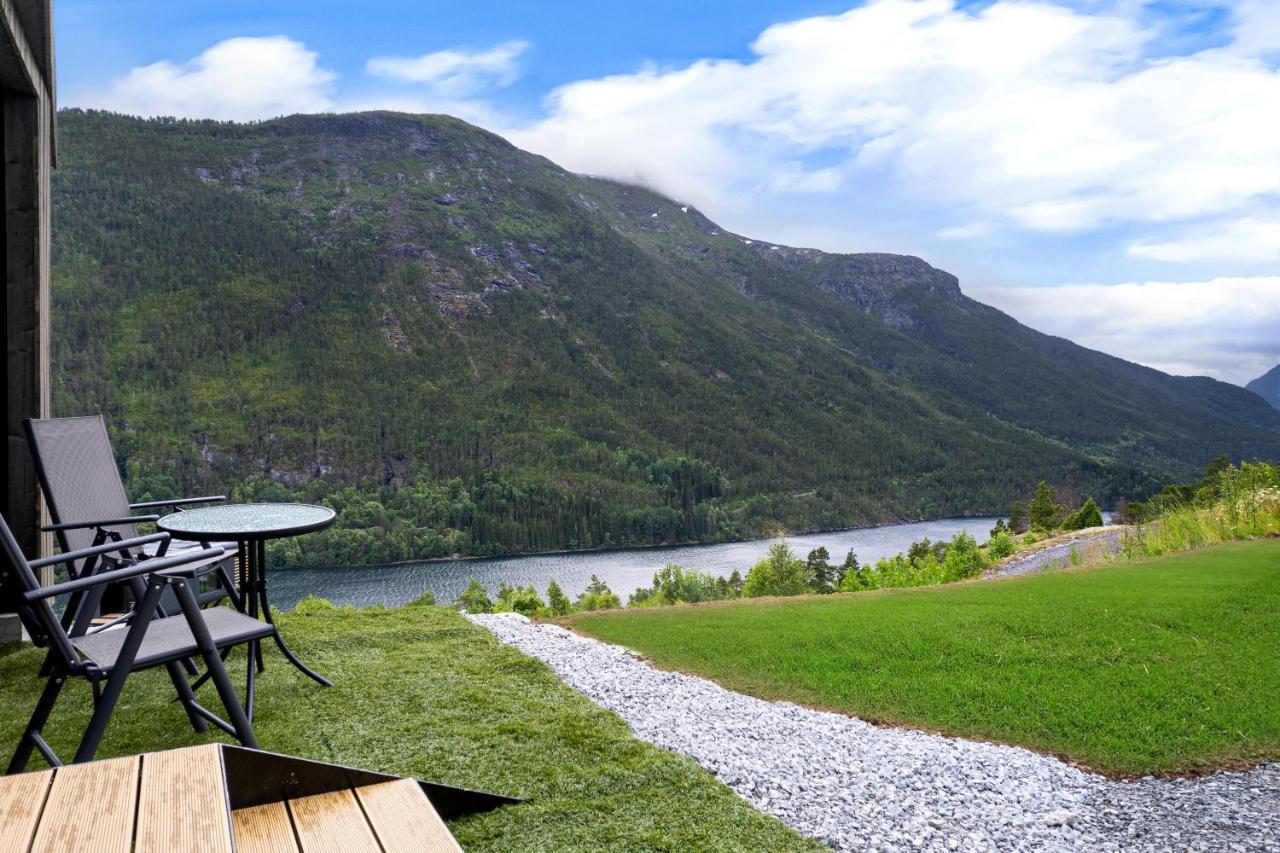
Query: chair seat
{"type": "Point", "coordinates": [170, 638]}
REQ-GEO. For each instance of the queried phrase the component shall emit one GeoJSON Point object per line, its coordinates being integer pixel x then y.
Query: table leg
{"type": "Point", "coordinates": [266, 614]}
{"type": "Point", "coordinates": [250, 592]}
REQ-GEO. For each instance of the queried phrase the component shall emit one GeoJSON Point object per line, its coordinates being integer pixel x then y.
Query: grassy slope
{"type": "Point", "coordinates": [1150, 666]}
{"type": "Point", "coordinates": [419, 691]}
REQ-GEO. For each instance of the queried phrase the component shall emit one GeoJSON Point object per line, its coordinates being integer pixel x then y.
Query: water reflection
{"type": "Point", "coordinates": [622, 570]}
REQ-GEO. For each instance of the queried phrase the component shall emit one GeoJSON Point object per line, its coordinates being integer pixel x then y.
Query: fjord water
{"type": "Point", "coordinates": [622, 570]}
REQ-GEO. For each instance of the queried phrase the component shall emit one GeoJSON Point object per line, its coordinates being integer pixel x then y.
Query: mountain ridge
{"type": "Point", "coordinates": [1267, 386]}
{"type": "Point", "coordinates": [410, 313]}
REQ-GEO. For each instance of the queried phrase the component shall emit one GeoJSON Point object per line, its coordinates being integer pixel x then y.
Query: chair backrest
{"type": "Point", "coordinates": [37, 617]}
{"type": "Point", "coordinates": [78, 473]}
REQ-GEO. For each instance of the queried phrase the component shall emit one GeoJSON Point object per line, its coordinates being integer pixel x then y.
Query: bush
{"type": "Point", "coordinates": [1086, 516]}
{"type": "Point", "coordinates": [519, 600]}
{"type": "Point", "coordinates": [557, 602]}
{"type": "Point", "coordinates": [1045, 512]}
{"type": "Point", "coordinates": [964, 558]}
{"type": "Point", "coordinates": [427, 599]}
{"type": "Point", "coordinates": [474, 599]}
{"type": "Point", "coordinates": [598, 596]}
{"type": "Point", "coordinates": [779, 573]}
{"type": "Point", "coordinates": [1001, 545]}
{"type": "Point", "coordinates": [676, 585]}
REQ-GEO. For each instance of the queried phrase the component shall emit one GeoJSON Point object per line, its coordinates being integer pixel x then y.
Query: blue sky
{"type": "Point", "coordinates": [1106, 170]}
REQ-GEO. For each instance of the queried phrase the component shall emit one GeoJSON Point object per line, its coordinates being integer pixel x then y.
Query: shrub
{"type": "Point", "coordinates": [519, 600]}
{"type": "Point", "coordinates": [557, 602]}
{"type": "Point", "coordinates": [676, 585]}
{"type": "Point", "coordinates": [474, 599]}
{"type": "Point", "coordinates": [964, 558]}
{"type": "Point", "coordinates": [427, 599]}
{"type": "Point", "coordinates": [1086, 516]}
{"type": "Point", "coordinates": [597, 596]}
{"type": "Point", "coordinates": [1001, 545]}
{"type": "Point", "coordinates": [1045, 512]}
{"type": "Point", "coordinates": [779, 573]}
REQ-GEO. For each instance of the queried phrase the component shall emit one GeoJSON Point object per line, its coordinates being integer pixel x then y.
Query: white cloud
{"type": "Point", "coordinates": [239, 78]}
{"type": "Point", "coordinates": [1228, 328]}
{"type": "Point", "coordinates": [1248, 239]}
{"type": "Point", "coordinates": [1023, 111]}
{"type": "Point", "coordinates": [968, 231]}
{"type": "Point", "coordinates": [454, 73]}
{"type": "Point", "coordinates": [1257, 26]}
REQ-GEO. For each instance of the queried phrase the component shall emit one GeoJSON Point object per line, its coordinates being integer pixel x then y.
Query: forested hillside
{"type": "Point", "coordinates": [465, 348]}
{"type": "Point", "coordinates": [1267, 386]}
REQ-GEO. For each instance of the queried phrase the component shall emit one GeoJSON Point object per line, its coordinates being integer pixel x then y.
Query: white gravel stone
{"type": "Point", "coordinates": [856, 786]}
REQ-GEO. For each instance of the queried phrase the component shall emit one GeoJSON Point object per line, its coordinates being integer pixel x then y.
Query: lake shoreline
{"type": "Point", "coordinates": [622, 549]}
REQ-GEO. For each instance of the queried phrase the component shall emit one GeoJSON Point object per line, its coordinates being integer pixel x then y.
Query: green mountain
{"type": "Point", "coordinates": [468, 349]}
{"type": "Point", "coordinates": [1267, 386]}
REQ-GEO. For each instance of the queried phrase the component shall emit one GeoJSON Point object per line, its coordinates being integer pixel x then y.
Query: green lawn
{"type": "Point", "coordinates": [1168, 665]}
{"type": "Point", "coordinates": [421, 692]}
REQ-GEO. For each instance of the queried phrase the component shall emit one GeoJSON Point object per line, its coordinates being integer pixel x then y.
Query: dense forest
{"type": "Point", "coordinates": [465, 349]}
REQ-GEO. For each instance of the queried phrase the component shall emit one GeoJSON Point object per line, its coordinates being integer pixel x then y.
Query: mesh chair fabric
{"type": "Point", "coordinates": [79, 475]}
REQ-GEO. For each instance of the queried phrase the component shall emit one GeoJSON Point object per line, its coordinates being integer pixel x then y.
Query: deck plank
{"type": "Point", "coordinates": [22, 799]}
{"type": "Point", "coordinates": [404, 819]}
{"type": "Point", "coordinates": [332, 823]}
{"type": "Point", "coordinates": [182, 802]}
{"type": "Point", "coordinates": [90, 808]}
{"type": "Point", "coordinates": [264, 829]}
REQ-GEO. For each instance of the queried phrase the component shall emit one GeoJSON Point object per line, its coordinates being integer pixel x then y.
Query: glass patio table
{"type": "Point", "coordinates": [251, 525]}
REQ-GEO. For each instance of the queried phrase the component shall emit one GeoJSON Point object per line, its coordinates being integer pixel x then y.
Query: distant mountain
{"type": "Point", "coordinates": [1267, 386]}
{"type": "Point", "coordinates": [467, 348]}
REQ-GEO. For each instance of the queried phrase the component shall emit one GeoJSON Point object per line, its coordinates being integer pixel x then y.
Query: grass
{"type": "Point", "coordinates": [1148, 666]}
{"type": "Point", "coordinates": [419, 691]}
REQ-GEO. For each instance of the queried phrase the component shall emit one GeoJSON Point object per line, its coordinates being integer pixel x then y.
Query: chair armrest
{"type": "Point", "coordinates": [146, 567]}
{"type": "Point", "coordinates": [178, 502]}
{"type": "Point", "coordinates": [194, 565]}
{"type": "Point", "coordinates": [108, 548]}
{"type": "Point", "coordinates": [106, 522]}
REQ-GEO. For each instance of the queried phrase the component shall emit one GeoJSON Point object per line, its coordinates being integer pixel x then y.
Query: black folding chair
{"type": "Point", "coordinates": [87, 502]}
{"type": "Point", "coordinates": [141, 639]}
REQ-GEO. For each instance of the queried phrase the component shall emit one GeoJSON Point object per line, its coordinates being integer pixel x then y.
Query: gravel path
{"type": "Point", "coordinates": [861, 787]}
{"type": "Point", "coordinates": [1091, 544]}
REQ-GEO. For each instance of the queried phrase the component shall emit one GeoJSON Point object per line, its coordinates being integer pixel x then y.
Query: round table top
{"type": "Point", "coordinates": [244, 522]}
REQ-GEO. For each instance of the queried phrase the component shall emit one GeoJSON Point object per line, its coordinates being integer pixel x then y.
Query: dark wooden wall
{"type": "Point", "coordinates": [26, 139]}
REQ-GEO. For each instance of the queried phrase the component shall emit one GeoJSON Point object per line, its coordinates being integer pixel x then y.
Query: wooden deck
{"type": "Point", "coordinates": [177, 800]}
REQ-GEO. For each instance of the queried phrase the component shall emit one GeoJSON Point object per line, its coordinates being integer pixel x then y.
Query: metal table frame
{"type": "Point", "coordinates": [253, 583]}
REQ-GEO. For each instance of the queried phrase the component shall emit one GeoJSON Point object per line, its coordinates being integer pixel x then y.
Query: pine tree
{"type": "Point", "coordinates": [1018, 518]}
{"type": "Point", "coordinates": [1086, 516]}
{"type": "Point", "coordinates": [474, 599]}
{"type": "Point", "coordinates": [1045, 514]}
{"type": "Point", "coordinates": [849, 571]}
{"type": "Point", "coordinates": [557, 601]}
{"type": "Point", "coordinates": [820, 570]}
